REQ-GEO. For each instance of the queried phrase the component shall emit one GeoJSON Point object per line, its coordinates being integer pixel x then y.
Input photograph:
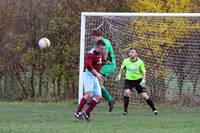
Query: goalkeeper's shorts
{"type": "Point", "coordinates": [130, 84]}
{"type": "Point", "coordinates": [108, 69]}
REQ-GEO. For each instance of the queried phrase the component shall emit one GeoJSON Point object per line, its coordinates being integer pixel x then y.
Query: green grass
{"type": "Point", "coordinates": [26, 117]}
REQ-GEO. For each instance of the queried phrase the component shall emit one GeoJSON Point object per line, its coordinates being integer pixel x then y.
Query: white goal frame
{"type": "Point", "coordinates": [82, 37]}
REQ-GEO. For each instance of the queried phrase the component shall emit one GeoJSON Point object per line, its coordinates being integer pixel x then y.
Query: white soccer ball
{"type": "Point", "coordinates": [44, 43]}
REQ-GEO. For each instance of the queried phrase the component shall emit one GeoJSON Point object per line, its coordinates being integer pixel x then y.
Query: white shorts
{"type": "Point", "coordinates": [91, 83]}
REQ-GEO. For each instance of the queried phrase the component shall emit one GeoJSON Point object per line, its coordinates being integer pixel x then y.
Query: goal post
{"type": "Point", "coordinates": [82, 52]}
{"type": "Point", "coordinates": [160, 39]}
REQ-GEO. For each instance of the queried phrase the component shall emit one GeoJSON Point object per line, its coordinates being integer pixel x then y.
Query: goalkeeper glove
{"type": "Point", "coordinates": [142, 83]}
{"type": "Point", "coordinates": [118, 77]}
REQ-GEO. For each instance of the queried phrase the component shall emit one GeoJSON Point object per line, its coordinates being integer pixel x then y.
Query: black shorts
{"type": "Point", "coordinates": [130, 84]}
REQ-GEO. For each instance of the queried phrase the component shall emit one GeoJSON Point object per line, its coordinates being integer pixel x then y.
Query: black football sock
{"type": "Point", "coordinates": [151, 104]}
{"type": "Point", "coordinates": [126, 102]}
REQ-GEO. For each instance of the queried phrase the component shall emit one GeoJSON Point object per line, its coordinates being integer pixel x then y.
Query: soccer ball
{"type": "Point", "coordinates": [44, 43]}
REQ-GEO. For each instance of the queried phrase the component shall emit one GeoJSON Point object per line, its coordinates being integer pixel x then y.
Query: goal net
{"type": "Point", "coordinates": [169, 44]}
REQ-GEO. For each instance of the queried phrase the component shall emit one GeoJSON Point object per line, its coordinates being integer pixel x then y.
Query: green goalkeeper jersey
{"type": "Point", "coordinates": [109, 49]}
{"type": "Point", "coordinates": [134, 69]}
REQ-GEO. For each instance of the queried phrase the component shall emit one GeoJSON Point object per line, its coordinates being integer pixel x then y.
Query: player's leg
{"type": "Point", "coordinates": [141, 90]}
{"type": "Point", "coordinates": [126, 100]}
{"type": "Point", "coordinates": [127, 94]}
{"type": "Point", "coordinates": [149, 102]}
{"type": "Point", "coordinates": [107, 70]}
{"type": "Point", "coordinates": [105, 93]}
{"type": "Point", "coordinates": [97, 97]}
{"type": "Point", "coordinates": [88, 89]}
{"type": "Point", "coordinates": [84, 99]}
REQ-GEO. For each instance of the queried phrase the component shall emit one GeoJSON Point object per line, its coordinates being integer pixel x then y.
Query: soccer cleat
{"type": "Point", "coordinates": [155, 112]}
{"type": "Point", "coordinates": [125, 113]}
{"type": "Point", "coordinates": [78, 115]}
{"type": "Point", "coordinates": [111, 105]}
{"type": "Point", "coordinates": [86, 116]}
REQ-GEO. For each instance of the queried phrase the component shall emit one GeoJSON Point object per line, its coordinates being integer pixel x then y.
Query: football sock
{"type": "Point", "coordinates": [106, 95]}
{"type": "Point", "coordinates": [126, 102]}
{"type": "Point", "coordinates": [151, 104]}
{"type": "Point", "coordinates": [81, 105]}
{"type": "Point", "coordinates": [92, 105]}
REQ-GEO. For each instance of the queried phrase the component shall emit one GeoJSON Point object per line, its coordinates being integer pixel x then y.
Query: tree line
{"type": "Point", "coordinates": [27, 72]}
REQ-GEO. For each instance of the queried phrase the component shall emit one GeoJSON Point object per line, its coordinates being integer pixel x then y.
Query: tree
{"type": "Point", "coordinates": [159, 40]}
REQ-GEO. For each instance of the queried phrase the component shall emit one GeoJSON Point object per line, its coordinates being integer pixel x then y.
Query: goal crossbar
{"type": "Point", "coordinates": [141, 14]}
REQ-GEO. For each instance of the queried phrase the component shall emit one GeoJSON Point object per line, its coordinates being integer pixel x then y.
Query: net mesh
{"type": "Point", "coordinates": [169, 46]}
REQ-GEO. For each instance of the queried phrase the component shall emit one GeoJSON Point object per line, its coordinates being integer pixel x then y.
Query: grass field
{"type": "Point", "coordinates": [26, 117]}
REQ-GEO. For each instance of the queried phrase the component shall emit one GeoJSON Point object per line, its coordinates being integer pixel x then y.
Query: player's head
{"type": "Point", "coordinates": [96, 35]}
{"type": "Point", "coordinates": [132, 53]}
{"type": "Point", "coordinates": [100, 46]}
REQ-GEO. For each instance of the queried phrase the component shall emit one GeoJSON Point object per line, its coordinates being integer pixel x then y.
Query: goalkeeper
{"type": "Point", "coordinates": [135, 78]}
{"type": "Point", "coordinates": [108, 68]}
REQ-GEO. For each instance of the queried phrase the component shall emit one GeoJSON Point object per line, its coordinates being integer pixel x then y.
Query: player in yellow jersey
{"type": "Point", "coordinates": [135, 78]}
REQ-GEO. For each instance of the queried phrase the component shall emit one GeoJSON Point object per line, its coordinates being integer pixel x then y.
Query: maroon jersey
{"type": "Point", "coordinates": [93, 60]}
